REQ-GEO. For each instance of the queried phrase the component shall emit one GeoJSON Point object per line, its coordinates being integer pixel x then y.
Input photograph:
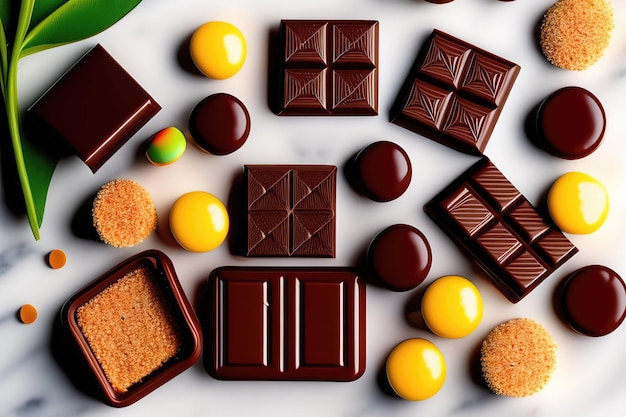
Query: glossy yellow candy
{"type": "Point", "coordinates": [218, 49]}
{"type": "Point", "coordinates": [578, 203]}
{"type": "Point", "coordinates": [452, 307]}
{"type": "Point", "coordinates": [416, 369]}
{"type": "Point", "coordinates": [199, 221]}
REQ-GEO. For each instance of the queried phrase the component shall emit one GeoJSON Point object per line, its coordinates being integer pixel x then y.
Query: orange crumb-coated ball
{"type": "Point", "coordinates": [57, 259]}
{"type": "Point", "coordinates": [575, 33]}
{"type": "Point", "coordinates": [124, 213]}
{"type": "Point", "coordinates": [28, 314]}
{"type": "Point", "coordinates": [518, 358]}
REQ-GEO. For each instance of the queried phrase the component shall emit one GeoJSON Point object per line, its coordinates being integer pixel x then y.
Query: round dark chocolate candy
{"type": "Point", "coordinates": [400, 257]}
{"type": "Point", "coordinates": [220, 124]}
{"type": "Point", "coordinates": [571, 123]}
{"type": "Point", "coordinates": [593, 300]}
{"type": "Point", "coordinates": [383, 171]}
{"type": "Point", "coordinates": [439, 1]}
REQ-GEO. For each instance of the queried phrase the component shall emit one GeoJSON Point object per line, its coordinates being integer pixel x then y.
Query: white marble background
{"type": "Point", "coordinates": [589, 380]}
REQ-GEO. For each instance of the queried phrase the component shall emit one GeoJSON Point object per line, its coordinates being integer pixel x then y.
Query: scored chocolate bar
{"type": "Point", "coordinates": [328, 68]}
{"type": "Point", "coordinates": [495, 224]}
{"type": "Point", "coordinates": [285, 324]}
{"type": "Point", "coordinates": [454, 93]}
{"type": "Point", "coordinates": [291, 210]}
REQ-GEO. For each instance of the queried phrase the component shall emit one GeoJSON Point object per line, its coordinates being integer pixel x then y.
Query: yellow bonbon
{"type": "Point", "coordinates": [199, 221]}
{"type": "Point", "coordinates": [416, 369]}
{"type": "Point", "coordinates": [218, 49]}
{"type": "Point", "coordinates": [578, 203]}
{"type": "Point", "coordinates": [452, 307]}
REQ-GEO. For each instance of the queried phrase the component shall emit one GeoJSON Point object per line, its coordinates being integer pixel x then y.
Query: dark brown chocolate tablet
{"type": "Point", "coordinates": [94, 108]}
{"type": "Point", "coordinates": [220, 124]}
{"type": "Point", "coordinates": [571, 123]}
{"type": "Point", "coordinates": [285, 324]}
{"type": "Point", "coordinates": [328, 67]}
{"type": "Point", "coordinates": [593, 300]}
{"type": "Point", "coordinates": [400, 257]}
{"type": "Point", "coordinates": [496, 225]}
{"type": "Point", "coordinates": [291, 210]}
{"type": "Point", "coordinates": [383, 171]}
{"type": "Point", "coordinates": [454, 93]}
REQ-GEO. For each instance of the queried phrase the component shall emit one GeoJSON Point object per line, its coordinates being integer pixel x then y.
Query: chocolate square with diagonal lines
{"type": "Point", "coordinates": [328, 67]}
{"type": "Point", "coordinates": [487, 216]}
{"type": "Point", "coordinates": [454, 93]}
{"type": "Point", "coordinates": [291, 210]}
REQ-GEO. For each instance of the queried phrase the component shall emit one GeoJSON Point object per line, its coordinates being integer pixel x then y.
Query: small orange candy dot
{"type": "Point", "coordinates": [28, 314]}
{"type": "Point", "coordinates": [57, 259]}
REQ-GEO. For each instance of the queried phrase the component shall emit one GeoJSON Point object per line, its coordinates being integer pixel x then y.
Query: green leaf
{"type": "Point", "coordinates": [5, 12]}
{"type": "Point", "coordinates": [40, 168]}
{"type": "Point", "coordinates": [42, 9]}
{"type": "Point", "coordinates": [75, 20]}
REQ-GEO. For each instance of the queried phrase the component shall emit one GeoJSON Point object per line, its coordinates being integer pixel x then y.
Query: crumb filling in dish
{"type": "Point", "coordinates": [130, 329]}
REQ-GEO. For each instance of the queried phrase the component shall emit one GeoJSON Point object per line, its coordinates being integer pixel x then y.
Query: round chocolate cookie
{"type": "Point", "coordinates": [571, 123]}
{"type": "Point", "coordinates": [593, 300]}
{"type": "Point", "coordinates": [400, 257]}
{"type": "Point", "coordinates": [383, 171]}
{"type": "Point", "coordinates": [220, 124]}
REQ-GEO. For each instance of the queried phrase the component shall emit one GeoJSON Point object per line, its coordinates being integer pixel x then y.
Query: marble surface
{"type": "Point", "coordinates": [150, 44]}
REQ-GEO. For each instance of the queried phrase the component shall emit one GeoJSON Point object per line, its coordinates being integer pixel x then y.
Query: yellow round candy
{"type": "Point", "coordinates": [218, 49]}
{"type": "Point", "coordinates": [452, 307]}
{"type": "Point", "coordinates": [199, 221]}
{"type": "Point", "coordinates": [578, 203]}
{"type": "Point", "coordinates": [416, 369]}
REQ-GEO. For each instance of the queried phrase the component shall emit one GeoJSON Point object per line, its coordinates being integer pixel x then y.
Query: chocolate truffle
{"type": "Point", "coordinates": [383, 171]}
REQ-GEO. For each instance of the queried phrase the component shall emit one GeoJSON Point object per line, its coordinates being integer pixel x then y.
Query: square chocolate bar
{"type": "Point", "coordinates": [285, 324]}
{"type": "Point", "coordinates": [328, 67]}
{"type": "Point", "coordinates": [94, 108]}
{"type": "Point", "coordinates": [454, 93]}
{"type": "Point", "coordinates": [291, 210]}
{"type": "Point", "coordinates": [494, 224]}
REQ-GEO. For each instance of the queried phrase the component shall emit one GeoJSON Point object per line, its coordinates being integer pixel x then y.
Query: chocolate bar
{"type": "Point", "coordinates": [496, 225]}
{"type": "Point", "coordinates": [286, 324]}
{"type": "Point", "coordinates": [328, 67]}
{"type": "Point", "coordinates": [454, 93]}
{"type": "Point", "coordinates": [94, 108]}
{"type": "Point", "coordinates": [291, 210]}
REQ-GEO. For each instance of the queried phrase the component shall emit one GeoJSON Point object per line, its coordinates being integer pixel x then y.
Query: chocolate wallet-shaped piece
{"type": "Point", "coordinates": [496, 225]}
{"type": "Point", "coordinates": [285, 324]}
{"type": "Point", "coordinates": [291, 210]}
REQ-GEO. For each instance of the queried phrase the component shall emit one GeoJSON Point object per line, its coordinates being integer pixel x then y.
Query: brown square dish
{"type": "Point", "coordinates": [134, 328]}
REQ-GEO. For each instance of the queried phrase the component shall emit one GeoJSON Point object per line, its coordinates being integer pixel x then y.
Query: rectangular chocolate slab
{"type": "Point", "coordinates": [286, 324]}
{"type": "Point", "coordinates": [495, 225]}
{"type": "Point", "coordinates": [291, 210]}
{"type": "Point", "coordinates": [94, 108]}
{"type": "Point", "coordinates": [328, 67]}
{"type": "Point", "coordinates": [454, 93]}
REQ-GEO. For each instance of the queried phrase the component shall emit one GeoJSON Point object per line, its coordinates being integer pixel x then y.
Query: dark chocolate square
{"type": "Point", "coordinates": [285, 324]}
{"type": "Point", "coordinates": [487, 217]}
{"type": "Point", "coordinates": [454, 93]}
{"type": "Point", "coordinates": [95, 107]}
{"type": "Point", "coordinates": [291, 210]}
{"type": "Point", "coordinates": [328, 67]}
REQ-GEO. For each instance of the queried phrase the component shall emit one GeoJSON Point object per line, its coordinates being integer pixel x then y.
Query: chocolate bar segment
{"type": "Point", "coordinates": [328, 67]}
{"type": "Point", "coordinates": [286, 324]}
{"type": "Point", "coordinates": [291, 210]}
{"type": "Point", "coordinates": [495, 224]}
{"type": "Point", "coordinates": [454, 93]}
{"type": "Point", "coordinates": [94, 108]}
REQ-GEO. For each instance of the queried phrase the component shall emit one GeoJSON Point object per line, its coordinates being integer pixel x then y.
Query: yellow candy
{"type": "Point", "coordinates": [578, 203]}
{"type": "Point", "coordinates": [166, 146]}
{"type": "Point", "coordinates": [218, 49]}
{"type": "Point", "coordinates": [199, 221]}
{"type": "Point", "coordinates": [416, 369]}
{"type": "Point", "coordinates": [452, 307]}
